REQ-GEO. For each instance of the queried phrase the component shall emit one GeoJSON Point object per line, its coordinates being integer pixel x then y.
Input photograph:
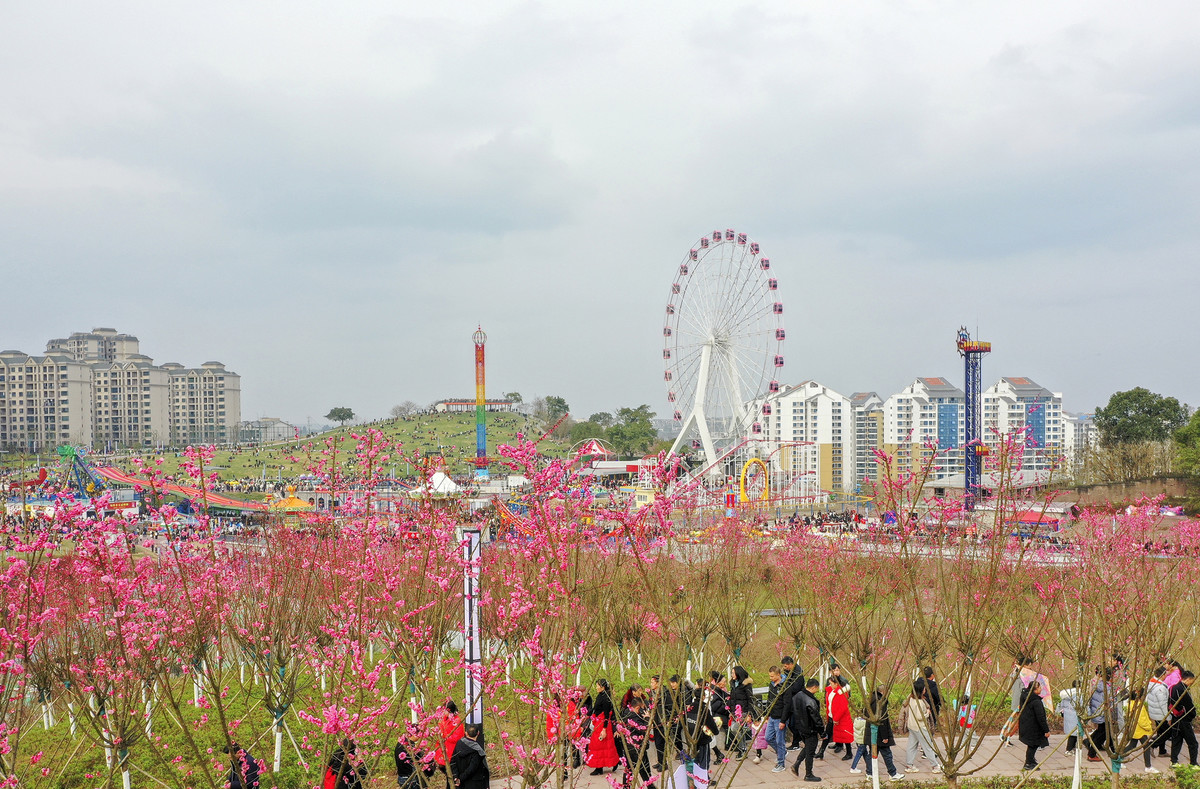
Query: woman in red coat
{"type": "Point", "coordinates": [450, 728]}
{"type": "Point", "coordinates": [570, 734]}
{"type": "Point", "coordinates": [837, 706]}
{"type": "Point", "coordinates": [602, 748]}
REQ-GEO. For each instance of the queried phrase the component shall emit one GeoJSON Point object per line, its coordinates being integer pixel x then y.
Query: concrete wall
{"type": "Point", "coordinates": [1129, 491]}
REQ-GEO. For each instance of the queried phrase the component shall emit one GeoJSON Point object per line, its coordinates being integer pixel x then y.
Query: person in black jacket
{"type": "Point", "coordinates": [804, 717]}
{"type": "Point", "coordinates": [665, 707]}
{"type": "Point", "coordinates": [779, 701]}
{"type": "Point", "coordinates": [1032, 727]}
{"type": "Point", "coordinates": [741, 711]}
{"type": "Point", "coordinates": [1183, 712]}
{"type": "Point", "coordinates": [468, 763]}
{"type": "Point", "coordinates": [793, 680]}
{"type": "Point", "coordinates": [633, 741]}
{"type": "Point", "coordinates": [411, 765]}
{"type": "Point", "coordinates": [347, 769]}
{"type": "Point", "coordinates": [933, 696]}
{"type": "Point", "coordinates": [699, 727]}
{"type": "Point", "coordinates": [243, 773]}
{"type": "Point", "coordinates": [877, 711]}
{"type": "Point", "coordinates": [718, 707]}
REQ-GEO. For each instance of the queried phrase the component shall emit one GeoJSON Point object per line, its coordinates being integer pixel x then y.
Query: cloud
{"type": "Point", "coordinates": [329, 200]}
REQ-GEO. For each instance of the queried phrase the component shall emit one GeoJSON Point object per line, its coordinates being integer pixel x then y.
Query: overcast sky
{"type": "Point", "coordinates": [328, 197]}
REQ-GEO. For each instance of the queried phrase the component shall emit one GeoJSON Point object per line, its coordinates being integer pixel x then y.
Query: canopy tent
{"type": "Point", "coordinates": [291, 503]}
{"type": "Point", "coordinates": [440, 484]}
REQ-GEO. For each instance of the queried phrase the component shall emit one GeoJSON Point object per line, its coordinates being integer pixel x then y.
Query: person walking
{"type": "Point", "coordinates": [778, 707]}
{"type": "Point", "coordinates": [634, 726]}
{"type": "Point", "coordinates": [450, 728]}
{"type": "Point", "coordinates": [741, 712]}
{"type": "Point", "coordinates": [804, 717]}
{"type": "Point", "coordinates": [1143, 727]}
{"type": "Point", "coordinates": [933, 695]}
{"type": "Point", "coordinates": [243, 771]}
{"type": "Point", "coordinates": [877, 708]}
{"type": "Point", "coordinates": [1104, 711]}
{"type": "Point", "coordinates": [665, 706]}
{"type": "Point", "coordinates": [564, 736]}
{"type": "Point", "coordinates": [468, 763]}
{"type": "Point", "coordinates": [840, 725]}
{"type": "Point", "coordinates": [1032, 727]}
{"type": "Point", "coordinates": [1157, 705]}
{"type": "Point", "coordinates": [718, 708]}
{"type": "Point", "coordinates": [793, 681]}
{"type": "Point", "coordinates": [410, 765]}
{"type": "Point", "coordinates": [1183, 712]}
{"type": "Point", "coordinates": [601, 748]}
{"type": "Point", "coordinates": [345, 770]}
{"type": "Point", "coordinates": [1068, 708]}
{"type": "Point", "coordinates": [917, 718]}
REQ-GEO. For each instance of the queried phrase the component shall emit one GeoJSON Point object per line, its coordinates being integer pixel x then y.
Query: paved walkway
{"type": "Point", "coordinates": [832, 770]}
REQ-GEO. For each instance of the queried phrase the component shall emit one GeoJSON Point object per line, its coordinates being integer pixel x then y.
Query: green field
{"type": "Point", "coordinates": [451, 435]}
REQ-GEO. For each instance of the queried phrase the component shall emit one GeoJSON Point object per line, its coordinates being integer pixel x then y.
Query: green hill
{"type": "Point", "coordinates": [451, 435]}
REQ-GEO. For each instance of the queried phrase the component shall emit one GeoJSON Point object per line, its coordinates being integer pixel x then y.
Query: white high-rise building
{"type": "Point", "coordinates": [1079, 436]}
{"type": "Point", "coordinates": [97, 388]}
{"type": "Point", "coordinates": [45, 401]}
{"type": "Point", "coordinates": [811, 430]}
{"type": "Point", "coordinates": [926, 420]}
{"type": "Point", "coordinates": [868, 438]}
{"type": "Point", "coordinates": [1013, 406]}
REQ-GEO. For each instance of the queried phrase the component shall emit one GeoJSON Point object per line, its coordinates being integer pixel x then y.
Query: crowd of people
{"type": "Point", "coordinates": [689, 726]}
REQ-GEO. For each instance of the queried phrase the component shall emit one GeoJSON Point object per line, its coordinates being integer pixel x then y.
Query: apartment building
{"type": "Point", "coordinates": [206, 403]}
{"type": "Point", "coordinates": [1031, 414]}
{"type": "Point", "coordinates": [1080, 435]}
{"type": "Point", "coordinates": [44, 401]}
{"type": "Point", "coordinates": [924, 422]}
{"type": "Point", "coordinates": [813, 428]}
{"type": "Point", "coordinates": [96, 388]}
{"type": "Point", "coordinates": [867, 408]}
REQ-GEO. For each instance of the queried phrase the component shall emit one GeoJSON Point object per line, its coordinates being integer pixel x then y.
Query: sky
{"type": "Point", "coordinates": [330, 197]}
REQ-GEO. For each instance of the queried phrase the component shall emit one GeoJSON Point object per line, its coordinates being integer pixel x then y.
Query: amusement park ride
{"type": "Point", "coordinates": [972, 352]}
{"type": "Point", "coordinates": [76, 476]}
{"type": "Point", "coordinates": [481, 458]}
{"type": "Point", "coordinates": [723, 342]}
{"type": "Point", "coordinates": [723, 350]}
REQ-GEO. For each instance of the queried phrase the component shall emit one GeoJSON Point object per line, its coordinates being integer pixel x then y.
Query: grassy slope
{"type": "Point", "coordinates": [451, 434]}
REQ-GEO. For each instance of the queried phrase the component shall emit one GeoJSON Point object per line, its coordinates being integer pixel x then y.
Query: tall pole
{"type": "Point", "coordinates": [471, 645]}
{"type": "Point", "coordinates": [481, 460]}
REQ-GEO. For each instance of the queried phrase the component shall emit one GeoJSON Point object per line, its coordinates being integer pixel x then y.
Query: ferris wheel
{"type": "Point", "coordinates": [723, 342]}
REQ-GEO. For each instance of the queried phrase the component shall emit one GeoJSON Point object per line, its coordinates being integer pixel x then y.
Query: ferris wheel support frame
{"type": "Point", "coordinates": [696, 416]}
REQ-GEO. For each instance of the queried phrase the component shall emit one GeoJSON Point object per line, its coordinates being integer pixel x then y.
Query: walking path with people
{"type": "Point", "coordinates": [832, 770]}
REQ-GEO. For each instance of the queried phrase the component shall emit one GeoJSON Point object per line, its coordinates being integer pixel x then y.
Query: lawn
{"type": "Point", "coordinates": [451, 435]}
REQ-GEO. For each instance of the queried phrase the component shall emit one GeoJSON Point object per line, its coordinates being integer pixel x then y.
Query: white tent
{"type": "Point", "coordinates": [440, 484]}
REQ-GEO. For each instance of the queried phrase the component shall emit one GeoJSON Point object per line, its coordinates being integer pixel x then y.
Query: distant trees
{"type": "Point", "coordinates": [630, 432]}
{"type": "Point", "coordinates": [1139, 415]}
{"type": "Point", "coordinates": [513, 397]}
{"type": "Point", "coordinates": [407, 408]}
{"type": "Point", "coordinates": [1187, 442]}
{"type": "Point", "coordinates": [556, 407]}
{"type": "Point", "coordinates": [633, 433]}
{"type": "Point", "coordinates": [341, 415]}
{"type": "Point", "coordinates": [586, 431]}
{"type": "Point", "coordinates": [603, 418]}
{"type": "Point", "coordinates": [1136, 430]}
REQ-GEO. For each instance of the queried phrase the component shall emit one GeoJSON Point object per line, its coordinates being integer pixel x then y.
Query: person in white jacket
{"type": "Point", "coordinates": [1156, 707]}
{"type": "Point", "coordinates": [1068, 708]}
